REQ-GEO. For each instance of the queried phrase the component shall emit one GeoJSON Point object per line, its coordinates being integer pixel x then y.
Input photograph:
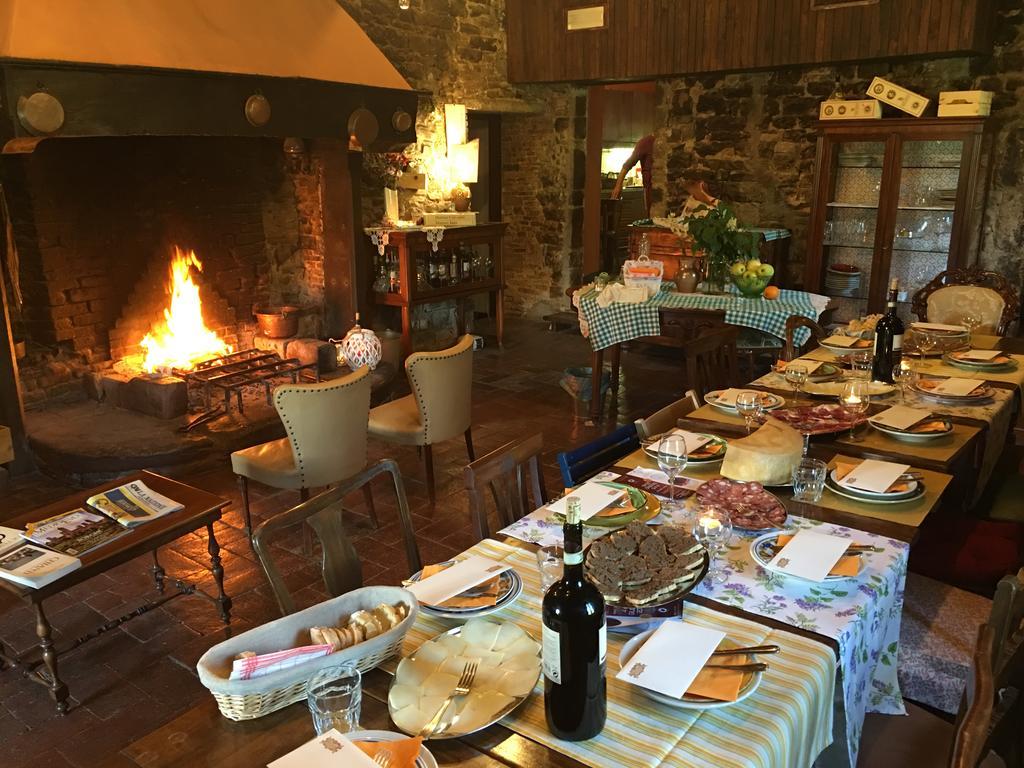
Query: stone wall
{"type": "Point", "coordinates": [752, 135]}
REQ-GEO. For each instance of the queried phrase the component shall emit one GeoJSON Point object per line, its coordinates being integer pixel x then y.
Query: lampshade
{"type": "Point", "coordinates": [465, 161]}
{"type": "Point", "coordinates": [455, 124]}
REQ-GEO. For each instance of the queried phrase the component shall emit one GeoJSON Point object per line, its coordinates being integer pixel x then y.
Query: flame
{"type": "Point", "coordinates": [182, 339]}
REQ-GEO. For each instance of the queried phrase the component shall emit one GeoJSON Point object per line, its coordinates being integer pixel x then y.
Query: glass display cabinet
{"type": "Point", "coordinates": [422, 265]}
{"type": "Point", "coordinates": [893, 198]}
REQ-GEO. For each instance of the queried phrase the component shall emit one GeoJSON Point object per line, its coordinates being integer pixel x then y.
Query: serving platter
{"type": "Point", "coordinates": [822, 419]}
{"type": "Point", "coordinates": [423, 760]}
{"type": "Point", "coordinates": [751, 507]}
{"type": "Point", "coordinates": [689, 701]}
{"type": "Point", "coordinates": [914, 437]}
{"type": "Point", "coordinates": [769, 400]}
{"type": "Point", "coordinates": [491, 686]}
{"type": "Point", "coordinates": [510, 586]}
{"type": "Point", "coordinates": [709, 453]}
{"type": "Point", "coordinates": [762, 550]}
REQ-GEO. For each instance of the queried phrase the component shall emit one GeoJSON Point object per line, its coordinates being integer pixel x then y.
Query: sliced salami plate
{"type": "Point", "coordinates": [824, 419]}
{"type": "Point", "coordinates": [749, 505]}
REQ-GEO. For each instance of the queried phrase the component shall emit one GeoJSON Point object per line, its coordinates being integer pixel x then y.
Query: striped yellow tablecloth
{"type": "Point", "coordinates": [787, 721]}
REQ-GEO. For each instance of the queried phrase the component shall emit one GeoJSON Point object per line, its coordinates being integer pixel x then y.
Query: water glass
{"type": "Point", "coordinates": [860, 365]}
{"type": "Point", "coordinates": [713, 529]}
{"type": "Point", "coordinates": [334, 695]}
{"type": "Point", "coordinates": [749, 406]}
{"type": "Point", "coordinates": [809, 480]}
{"type": "Point", "coordinates": [855, 397]}
{"type": "Point", "coordinates": [672, 460]}
{"type": "Point", "coordinates": [549, 561]}
{"type": "Point", "coordinates": [796, 375]}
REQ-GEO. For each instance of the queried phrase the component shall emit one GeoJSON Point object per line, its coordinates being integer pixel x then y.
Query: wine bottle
{"type": "Point", "coordinates": [574, 637]}
{"type": "Point", "coordinates": [888, 339]}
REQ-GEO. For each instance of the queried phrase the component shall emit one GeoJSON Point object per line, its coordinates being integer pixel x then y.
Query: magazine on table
{"type": "Point", "coordinates": [74, 533]}
{"type": "Point", "coordinates": [133, 503]}
{"type": "Point", "coordinates": [27, 563]}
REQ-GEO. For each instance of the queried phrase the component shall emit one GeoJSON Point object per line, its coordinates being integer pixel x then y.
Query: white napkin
{"type": "Point", "coordinates": [809, 365]}
{"type": "Point", "coordinates": [900, 416]}
{"type": "Point", "coordinates": [691, 440]}
{"type": "Point", "coordinates": [874, 475]}
{"type": "Point", "coordinates": [810, 555]}
{"type": "Point", "coordinates": [671, 658]}
{"type": "Point", "coordinates": [331, 750]}
{"type": "Point", "coordinates": [457, 579]}
{"type": "Point", "coordinates": [840, 341]}
{"type": "Point", "coordinates": [956, 386]}
{"type": "Point", "coordinates": [937, 327]}
{"type": "Point", "coordinates": [593, 498]}
{"type": "Point", "coordinates": [979, 354]}
{"type": "Point", "coordinates": [728, 396]}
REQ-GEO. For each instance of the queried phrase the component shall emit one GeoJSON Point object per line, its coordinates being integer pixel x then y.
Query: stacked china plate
{"type": "Point", "coordinates": [911, 490]}
{"type": "Point", "coordinates": [842, 279]}
{"type": "Point", "coordinates": [972, 360]}
{"type": "Point", "coordinates": [510, 586]}
{"type": "Point", "coordinates": [926, 389]}
{"type": "Point", "coordinates": [928, 428]}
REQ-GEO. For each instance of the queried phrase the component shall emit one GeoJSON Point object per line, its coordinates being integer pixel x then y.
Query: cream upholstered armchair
{"type": "Point", "coordinates": [326, 443]}
{"type": "Point", "coordinates": [955, 293]}
{"type": "Point", "coordinates": [439, 407]}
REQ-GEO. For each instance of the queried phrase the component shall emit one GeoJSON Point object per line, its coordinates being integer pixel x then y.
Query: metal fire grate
{"type": "Point", "coordinates": [231, 374]}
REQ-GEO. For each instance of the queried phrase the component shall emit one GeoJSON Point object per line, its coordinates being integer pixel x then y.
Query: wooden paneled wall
{"type": "Point", "coordinates": [650, 38]}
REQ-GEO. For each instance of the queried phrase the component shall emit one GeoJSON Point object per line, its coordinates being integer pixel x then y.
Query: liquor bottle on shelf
{"type": "Point", "coordinates": [453, 270]}
{"type": "Point", "coordinates": [574, 643]}
{"type": "Point", "coordinates": [442, 272]}
{"type": "Point", "coordinates": [888, 339]}
{"type": "Point", "coordinates": [431, 271]}
{"type": "Point", "coordinates": [467, 262]}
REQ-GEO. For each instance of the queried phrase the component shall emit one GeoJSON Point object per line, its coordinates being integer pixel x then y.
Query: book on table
{"type": "Point", "coordinates": [133, 503]}
{"type": "Point", "coordinates": [28, 564]}
{"type": "Point", "coordinates": [74, 533]}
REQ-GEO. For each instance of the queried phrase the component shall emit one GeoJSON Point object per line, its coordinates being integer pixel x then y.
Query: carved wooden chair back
{"type": "Point", "coordinates": [515, 479]}
{"type": "Point", "coordinates": [793, 322]}
{"type": "Point", "coordinates": [710, 360]}
{"type": "Point", "coordinates": [970, 744]}
{"type": "Point", "coordinates": [1007, 617]}
{"type": "Point", "coordinates": [996, 290]}
{"type": "Point", "coordinates": [662, 421]}
{"type": "Point", "coordinates": [341, 567]}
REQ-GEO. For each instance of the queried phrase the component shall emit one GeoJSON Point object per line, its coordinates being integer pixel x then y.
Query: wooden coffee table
{"type": "Point", "coordinates": [200, 509]}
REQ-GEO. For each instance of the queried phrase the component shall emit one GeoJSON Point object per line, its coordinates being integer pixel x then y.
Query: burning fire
{"type": "Point", "coordinates": [182, 339]}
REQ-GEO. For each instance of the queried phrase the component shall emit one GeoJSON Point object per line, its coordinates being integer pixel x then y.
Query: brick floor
{"type": "Point", "coordinates": [142, 674]}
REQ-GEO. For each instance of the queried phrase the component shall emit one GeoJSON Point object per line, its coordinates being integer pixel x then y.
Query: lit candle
{"type": "Point", "coordinates": [710, 523]}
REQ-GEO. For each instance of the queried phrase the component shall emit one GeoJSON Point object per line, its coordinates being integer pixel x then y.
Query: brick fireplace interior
{"type": "Point", "coordinates": [95, 221]}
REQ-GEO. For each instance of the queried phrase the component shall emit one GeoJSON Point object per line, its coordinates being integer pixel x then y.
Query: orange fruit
{"type": "Point", "coordinates": [771, 292]}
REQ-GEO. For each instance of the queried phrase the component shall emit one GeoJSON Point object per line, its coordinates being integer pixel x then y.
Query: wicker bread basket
{"type": "Point", "coordinates": [249, 699]}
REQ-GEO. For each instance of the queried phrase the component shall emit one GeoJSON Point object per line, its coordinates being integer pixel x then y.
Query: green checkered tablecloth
{"type": "Point", "coordinates": [623, 322]}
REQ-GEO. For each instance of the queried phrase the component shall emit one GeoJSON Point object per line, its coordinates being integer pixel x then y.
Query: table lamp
{"type": "Point", "coordinates": [464, 161]}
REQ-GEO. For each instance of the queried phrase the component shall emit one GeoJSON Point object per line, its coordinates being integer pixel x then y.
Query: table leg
{"type": "Point", "coordinates": [616, 357]}
{"type": "Point", "coordinates": [499, 316]}
{"type": "Point", "coordinates": [58, 690]}
{"type": "Point", "coordinates": [597, 372]}
{"type": "Point", "coordinates": [218, 575]}
{"type": "Point", "coordinates": [158, 572]}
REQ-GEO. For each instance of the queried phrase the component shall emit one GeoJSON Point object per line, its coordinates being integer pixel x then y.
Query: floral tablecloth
{"type": "Point", "coordinates": [862, 615]}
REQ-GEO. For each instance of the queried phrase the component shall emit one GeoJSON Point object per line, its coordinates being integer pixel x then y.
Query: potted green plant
{"type": "Point", "coordinates": [717, 232]}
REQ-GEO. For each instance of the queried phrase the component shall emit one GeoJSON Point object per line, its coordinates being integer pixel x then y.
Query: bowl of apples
{"type": "Point", "coordinates": [751, 277]}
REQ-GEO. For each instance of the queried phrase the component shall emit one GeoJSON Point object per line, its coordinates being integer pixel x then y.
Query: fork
{"type": "Point", "coordinates": [383, 759]}
{"type": "Point", "coordinates": [461, 689]}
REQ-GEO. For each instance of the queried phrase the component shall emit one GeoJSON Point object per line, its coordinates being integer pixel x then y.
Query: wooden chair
{"type": "Point", "coordinates": [955, 292]}
{"type": "Point", "coordinates": [341, 567]}
{"type": "Point", "coordinates": [792, 351]}
{"type": "Point", "coordinates": [710, 362]}
{"type": "Point", "coordinates": [587, 460]}
{"type": "Point", "coordinates": [512, 473]}
{"type": "Point", "coordinates": [439, 407]}
{"type": "Point", "coordinates": [662, 421]}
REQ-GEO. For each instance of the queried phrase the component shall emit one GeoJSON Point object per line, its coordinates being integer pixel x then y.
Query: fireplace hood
{"type": "Point", "coordinates": [273, 68]}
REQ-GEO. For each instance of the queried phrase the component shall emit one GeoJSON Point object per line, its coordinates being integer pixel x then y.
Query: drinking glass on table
{"type": "Point", "coordinates": [549, 561]}
{"type": "Point", "coordinates": [926, 342]}
{"type": "Point", "coordinates": [796, 374]}
{"type": "Point", "coordinates": [749, 406]}
{"type": "Point", "coordinates": [971, 322]}
{"type": "Point", "coordinates": [903, 376]}
{"type": "Point", "coordinates": [855, 397]}
{"type": "Point", "coordinates": [334, 695]}
{"type": "Point", "coordinates": [713, 529]}
{"type": "Point", "coordinates": [860, 365]}
{"type": "Point", "coordinates": [809, 480]}
{"type": "Point", "coordinates": [672, 460]}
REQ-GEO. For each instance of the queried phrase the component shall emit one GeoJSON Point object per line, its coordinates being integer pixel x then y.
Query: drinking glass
{"type": "Point", "coordinates": [334, 696]}
{"type": "Point", "coordinates": [903, 376]}
{"type": "Point", "coordinates": [926, 342]}
{"type": "Point", "coordinates": [971, 321]}
{"type": "Point", "coordinates": [748, 404]}
{"type": "Point", "coordinates": [672, 460]}
{"type": "Point", "coordinates": [549, 561]}
{"type": "Point", "coordinates": [809, 480]}
{"type": "Point", "coordinates": [713, 529]}
{"type": "Point", "coordinates": [860, 365]}
{"type": "Point", "coordinates": [797, 376]}
{"type": "Point", "coordinates": [856, 399]}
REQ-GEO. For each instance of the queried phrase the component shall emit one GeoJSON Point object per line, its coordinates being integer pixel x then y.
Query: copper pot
{"type": "Point", "coordinates": [278, 322]}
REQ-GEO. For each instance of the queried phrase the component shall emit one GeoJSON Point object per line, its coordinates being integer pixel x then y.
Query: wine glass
{"type": "Point", "coordinates": [926, 342]}
{"type": "Point", "coordinates": [856, 399]}
{"type": "Point", "coordinates": [672, 460]}
{"type": "Point", "coordinates": [904, 375]}
{"type": "Point", "coordinates": [713, 529]}
{"type": "Point", "coordinates": [797, 376]}
{"type": "Point", "coordinates": [970, 321]}
{"type": "Point", "coordinates": [749, 406]}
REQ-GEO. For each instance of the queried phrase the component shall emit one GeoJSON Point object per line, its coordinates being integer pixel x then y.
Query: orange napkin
{"type": "Point", "coordinates": [843, 469]}
{"type": "Point", "coordinates": [403, 751]}
{"type": "Point", "coordinates": [849, 565]}
{"type": "Point", "coordinates": [719, 684]}
{"type": "Point", "coordinates": [487, 593]}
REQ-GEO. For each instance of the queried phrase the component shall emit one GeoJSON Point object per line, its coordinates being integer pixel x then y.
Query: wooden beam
{"type": "Point", "coordinates": [341, 223]}
{"type": "Point", "coordinates": [592, 181]}
{"type": "Point", "coordinates": [12, 410]}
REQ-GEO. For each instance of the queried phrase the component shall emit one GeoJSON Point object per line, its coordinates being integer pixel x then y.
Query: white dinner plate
{"type": "Point", "coordinates": [510, 587]}
{"type": "Point", "coordinates": [844, 351]}
{"type": "Point", "coordinates": [771, 401]}
{"type": "Point", "coordinates": [912, 437]}
{"type": "Point", "coordinates": [424, 760]}
{"type": "Point", "coordinates": [759, 551]}
{"type": "Point", "coordinates": [875, 494]}
{"type": "Point", "coordinates": [650, 448]}
{"type": "Point", "coordinates": [750, 683]}
{"type": "Point", "coordinates": [856, 495]}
